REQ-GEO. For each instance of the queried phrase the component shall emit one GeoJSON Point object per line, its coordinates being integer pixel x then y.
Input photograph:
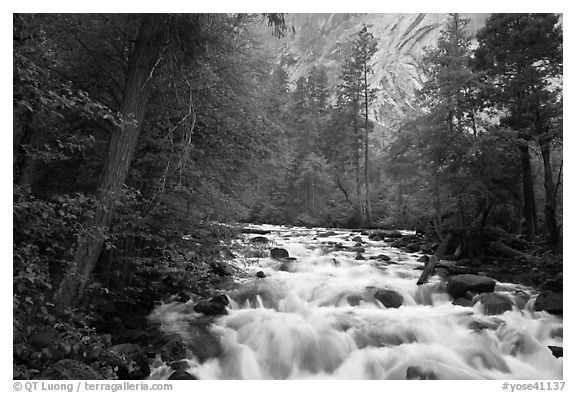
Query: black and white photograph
{"type": "Point", "coordinates": [287, 196]}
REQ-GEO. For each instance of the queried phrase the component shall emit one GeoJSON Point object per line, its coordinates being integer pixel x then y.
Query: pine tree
{"type": "Point", "coordinates": [521, 55]}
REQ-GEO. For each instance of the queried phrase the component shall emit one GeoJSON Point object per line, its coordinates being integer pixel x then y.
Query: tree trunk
{"type": "Point", "coordinates": [550, 207]}
{"type": "Point", "coordinates": [368, 207]}
{"type": "Point", "coordinates": [141, 66]}
{"type": "Point", "coordinates": [529, 205]}
{"type": "Point", "coordinates": [440, 251]}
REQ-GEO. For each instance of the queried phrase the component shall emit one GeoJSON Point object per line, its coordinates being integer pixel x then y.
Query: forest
{"type": "Point", "coordinates": [131, 131]}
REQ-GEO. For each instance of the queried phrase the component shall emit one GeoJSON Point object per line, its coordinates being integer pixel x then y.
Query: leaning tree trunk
{"type": "Point", "coordinates": [141, 66]}
{"type": "Point", "coordinates": [550, 207]}
{"type": "Point", "coordinates": [529, 205]}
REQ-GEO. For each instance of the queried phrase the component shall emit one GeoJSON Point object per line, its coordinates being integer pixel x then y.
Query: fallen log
{"type": "Point", "coordinates": [434, 259]}
{"type": "Point", "coordinates": [499, 248]}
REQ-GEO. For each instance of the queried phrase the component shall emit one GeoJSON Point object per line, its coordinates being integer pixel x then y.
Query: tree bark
{"type": "Point", "coordinates": [528, 188]}
{"type": "Point", "coordinates": [141, 66]}
{"type": "Point", "coordinates": [368, 207]}
{"type": "Point", "coordinates": [550, 207]}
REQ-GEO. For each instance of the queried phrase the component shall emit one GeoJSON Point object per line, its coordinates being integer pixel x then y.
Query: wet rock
{"type": "Point", "coordinates": [260, 274]}
{"type": "Point", "coordinates": [358, 250]}
{"type": "Point", "coordinates": [131, 361]}
{"type": "Point", "coordinates": [383, 257]}
{"type": "Point", "coordinates": [259, 239]}
{"type": "Point", "coordinates": [358, 244]}
{"type": "Point", "coordinates": [388, 298]}
{"type": "Point", "coordinates": [458, 285]}
{"type": "Point", "coordinates": [558, 352]}
{"type": "Point", "coordinates": [181, 375]}
{"type": "Point", "coordinates": [215, 306]}
{"type": "Point", "coordinates": [66, 369]}
{"type": "Point", "coordinates": [462, 301]}
{"type": "Point", "coordinates": [354, 299]}
{"type": "Point", "coordinates": [415, 372]}
{"type": "Point", "coordinates": [179, 365]}
{"type": "Point", "coordinates": [413, 247]}
{"type": "Point", "coordinates": [549, 301]}
{"type": "Point", "coordinates": [255, 231]}
{"type": "Point", "coordinates": [202, 343]}
{"type": "Point", "coordinates": [423, 258]}
{"type": "Point", "coordinates": [494, 304]}
{"type": "Point", "coordinates": [357, 239]}
{"type": "Point", "coordinates": [359, 258]}
{"type": "Point", "coordinates": [326, 234]}
{"type": "Point", "coordinates": [279, 253]}
{"type": "Point", "coordinates": [172, 348]}
{"type": "Point", "coordinates": [483, 324]}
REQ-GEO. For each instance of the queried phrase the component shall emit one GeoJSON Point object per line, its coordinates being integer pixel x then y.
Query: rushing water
{"type": "Point", "coordinates": [316, 318]}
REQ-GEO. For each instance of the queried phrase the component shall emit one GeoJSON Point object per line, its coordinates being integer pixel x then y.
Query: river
{"type": "Point", "coordinates": [316, 317]}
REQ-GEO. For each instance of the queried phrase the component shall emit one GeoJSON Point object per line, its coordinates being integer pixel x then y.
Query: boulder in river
{"type": "Point", "coordinates": [418, 373]}
{"type": "Point", "coordinates": [181, 375]}
{"type": "Point", "coordinates": [203, 344]}
{"type": "Point", "coordinates": [358, 250]}
{"type": "Point", "coordinates": [326, 234]}
{"type": "Point", "coordinates": [494, 303]}
{"type": "Point", "coordinates": [457, 286]}
{"type": "Point", "coordinates": [260, 274]}
{"type": "Point", "coordinates": [558, 352]}
{"type": "Point", "coordinates": [279, 253]}
{"type": "Point", "coordinates": [215, 306]}
{"type": "Point", "coordinates": [259, 239]}
{"type": "Point", "coordinates": [359, 257]}
{"type": "Point", "coordinates": [388, 298]}
{"type": "Point", "coordinates": [549, 301]}
{"type": "Point", "coordinates": [357, 239]}
{"type": "Point", "coordinates": [423, 258]}
{"type": "Point", "coordinates": [462, 301]}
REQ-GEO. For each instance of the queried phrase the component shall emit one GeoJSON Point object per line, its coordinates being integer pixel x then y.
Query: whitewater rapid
{"type": "Point", "coordinates": [316, 318]}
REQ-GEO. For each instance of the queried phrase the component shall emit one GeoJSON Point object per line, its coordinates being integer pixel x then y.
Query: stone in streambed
{"type": "Point", "coordinates": [457, 286]}
{"type": "Point", "coordinates": [259, 239]}
{"type": "Point", "coordinates": [181, 375]}
{"type": "Point", "coordinates": [260, 274]}
{"type": "Point", "coordinates": [279, 253]}
{"type": "Point", "coordinates": [354, 299]}
{"type": "Point", "coordinates": [358, 250]}
{"type": "Point", "coordinates": [388, 298]}
{"type": "Point", "coordinates": [558, 352]}
{"type": "Point", "coordinates": [462, 301]}
{"type": "Point", "coordinates": [359, 257]}
{"type": "Point", "coordinates": [494, 304]}
{"type": "Point", "coordinates": [215, 306]}
{"type": "Point", "coordinates": [415, 372]}
{"type": "Point", "coordinates": [423, 258]}
{"type": "Point", "coordinates": [549, 301]}
{"type": "Point", "coordinates": [357, 239]}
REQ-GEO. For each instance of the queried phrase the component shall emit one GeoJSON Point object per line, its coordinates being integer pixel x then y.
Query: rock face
{"type": "Point", "coordinates": [457, 286]}
{"type": "Point", "coordinates": [279, 253]}
{"type": "Point", "coordinates": [389, 299]}
{"type": "Point", "coordinates": [549, 301]}
{"type": "Point", "coordinates": [324, 40]}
